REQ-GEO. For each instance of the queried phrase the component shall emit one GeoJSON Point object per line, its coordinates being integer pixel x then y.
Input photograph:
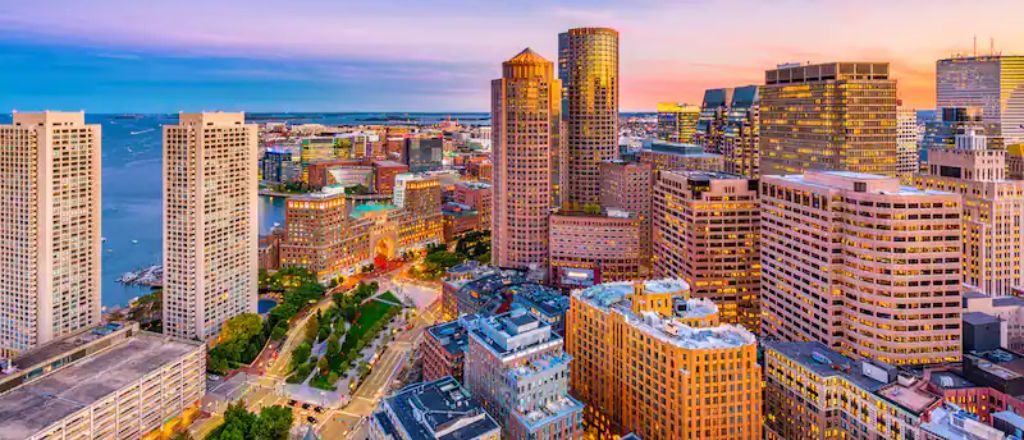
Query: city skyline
{"type": "Point", "coordinates": [317, 56]}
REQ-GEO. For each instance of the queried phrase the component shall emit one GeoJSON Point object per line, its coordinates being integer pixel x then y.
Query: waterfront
{"type": "Point", "coordinates": [132, 185]}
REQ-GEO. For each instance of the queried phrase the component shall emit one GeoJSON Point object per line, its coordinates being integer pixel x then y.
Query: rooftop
{"type": "Point", "coordinates": [361, 210]}
{"type": "Point", "coordinates": [553, 409]}
{"type": "Point", "coordinates": [513, 332]}
{"type": "Point", "coordinates": [439, 410]}
{"type": "Point", "coordinates": [32, 407]}
{"type": "Point", "coordinates": [844, 180]}
{"type": "Point", "coordinates": [452, 335]}
{"type": "Point", "coordinates": [825, 362]}
{"type": "Point", "coordinates": [542, 299]}
{"type": "Point", "coordinates": [979, 318]}
{"type": "Point", "coordinates": [614, 297]}
{"type": "Point", "coordinates": [950, 422]}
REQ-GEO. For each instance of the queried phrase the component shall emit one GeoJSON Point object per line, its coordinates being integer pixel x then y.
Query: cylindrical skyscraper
{"type": "Point", "coordinates": [588, 65]}
{"type": "Point", "coordinates": [525, 118]}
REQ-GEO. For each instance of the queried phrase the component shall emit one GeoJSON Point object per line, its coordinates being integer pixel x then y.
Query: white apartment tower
{"type": "Point", "coordinates": [907, 157]}
{"type": "Point", "coordinates": [49, 228]}
{"type": "Point", "coordinates": [210, 222]}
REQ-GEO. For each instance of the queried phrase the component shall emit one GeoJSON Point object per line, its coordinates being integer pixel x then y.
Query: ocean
{"type": "Point", "coordinates": [132, 186]}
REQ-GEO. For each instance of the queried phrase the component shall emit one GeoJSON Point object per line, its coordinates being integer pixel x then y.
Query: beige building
{"type": "Point", "coordinates": [210, 222]}
{"type": "Point", "coordinates": [588, 65]}
{"type": "Point", "coordinates": [648, 359]}
{"type": "Point", "coordinates": [865, 266]}
{"type": "Point", "coordinates": [993, 211]}
{"type": "Point", "coordinates": [110, 382]}
{"type": "Point", "coordinates": [525, 116]}
{"type": "Point", "coordinates": [49, 228]}
{"type": "Point", "coordinates": [833, 116]}
{"type": "Point", "coordinates": [626, 186]}
{"type": "Point", "coordinates": [907, 156]}
{"type": "Point", "coordinates": [706, 232]}
{"type": "Point", "coordinates": [589, 249]}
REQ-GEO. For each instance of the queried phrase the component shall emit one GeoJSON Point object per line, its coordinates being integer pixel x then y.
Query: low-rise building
{"type": "Point", "coordinates": [443, 350]}
{"type": "Point", "coordinates": [543, 302]}
{"type": "Point", "coordinates": [1009, 309]}
{"type": "Point", "coordinates": [435, 410]}
{"type": "Point", "coordinates": [664, 155]}
{"type": "Point", "coordinates": [113, 381]}
{"type": "Point", "coordinates": [384, 172]}
{"type": "Point", "coordinates": [516, 368]}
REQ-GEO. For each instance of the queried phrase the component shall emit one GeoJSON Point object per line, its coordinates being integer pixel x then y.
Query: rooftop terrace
{"type": "Point", "coordinates": [440, 410]}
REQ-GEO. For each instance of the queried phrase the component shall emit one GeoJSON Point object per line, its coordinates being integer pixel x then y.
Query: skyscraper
{"type": "Point", "coordinates": [862, 265]}
{"type": "Point", "coordinates": [706, 232]}
{"type": "Point", "coordinates": [710, 127]}
{"type": "Point", "coordinates": [834, 116]}
{"type": "Point", "coordinates": [906, 144]}
{"type": "Point", "coordinates": [210, 222]}
{"type": "Point", "coordinates": [741, 144]}
{"type": "Point", "coordinates": [993, 210]}
{"type": "Point", "coordinates": [677, 122]}
{"type": "Point", "coordinates": [50, 228]}
{"type": "Point", "coordinates": [993, 83]}
{"type": "Point", "coordinates": [650, 360]}
{"type": "Point", "coordinates": [525, 119]}
{"type": "Point", "coordinates": [588, 65]}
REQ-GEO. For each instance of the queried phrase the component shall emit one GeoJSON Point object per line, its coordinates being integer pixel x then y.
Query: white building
{"type": "Point", "coordinates": [210, 222]}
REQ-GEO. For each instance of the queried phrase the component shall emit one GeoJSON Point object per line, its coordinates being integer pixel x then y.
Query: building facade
{"type": "Point", "coordinates": [861, 264]}
{"type": "Point", "coordinates": [588, 249]}
{"type": "Point", "coordinates": [211, 228]}
{"type": "Point", "coordinates": [741, 139]}
{"type": "Point", "coordinates": [707, 233]}
{"type": "Point", "coordinates": [714, 110]}
{"type": "Point", "coordinates": [669, 156]}
{"type": "Point", "coordinates": [314, 234]}
{"type": "Point", "coordinates": [677, 122]}
{"type": "Point", "coordinates": [516, 368]}
{"type": "Point", "coordinates": [834, 116]}
{"type": "Point", "coordinates": [626, 186]}
{"type": "Point", "coordinates": [588, 65]}
{"type": "Point", "coordinates": [992, 83]}
{"type": "Point", "coordinates": [525, 117]}
{"type": "Point", "coordinates": [107, 382]}
{"type": "Point", "coordinates": [650, 361]}
{"type": "Point", "coordinates": [50, 228]}
{"type": "Point", "coordinates": [907, 154]}
{"type": "Point", "coordinates": [993, 211]}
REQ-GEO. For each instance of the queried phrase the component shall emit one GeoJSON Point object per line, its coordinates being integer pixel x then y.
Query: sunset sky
{"type": "Point", "coordinates": [421, 55]}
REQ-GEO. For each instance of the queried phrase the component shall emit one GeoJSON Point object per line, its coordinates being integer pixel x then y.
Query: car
{"type": "Point", "coordinates": [292, 402]}
{"type": "Point", "coordinates": [318, 409]}
{"type": "Point", "coordinates": [311, 419]}
{"type": "Point", "coordinates": [305, 406]}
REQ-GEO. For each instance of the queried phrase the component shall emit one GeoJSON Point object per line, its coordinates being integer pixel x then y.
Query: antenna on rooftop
{"type": "Point", "coordinates": [975, 44]}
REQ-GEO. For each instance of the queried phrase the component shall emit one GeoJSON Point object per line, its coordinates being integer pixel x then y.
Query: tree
{"type": "Point", "coordinates": [274, 423]}
{"type": "Point", "coordinates": [300, 354]}
{"type": "Point", "coordinates": [242, 327]}
{"type": "Point", "coordinates": [312, 327]}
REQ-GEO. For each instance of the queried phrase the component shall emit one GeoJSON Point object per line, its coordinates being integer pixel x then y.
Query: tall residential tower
{"type": "Point", "coordinates": [210, 222]}
{"type": "Point", "coordinates": [588, 65]}
{"type": "Point", "coordinates": [525, 118]}
{"type": "Point", "coordinates": [50, 228]}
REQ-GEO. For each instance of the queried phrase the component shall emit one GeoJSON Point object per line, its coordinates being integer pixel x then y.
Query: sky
{"type": "Point", "coordinates": [440, 55]}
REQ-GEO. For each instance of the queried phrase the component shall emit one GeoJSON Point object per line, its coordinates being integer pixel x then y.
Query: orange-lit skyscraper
{"type": "Point", "coordinates": [588, 65]}
{"type": "Point", "coordinates": [649, 360]}
{"type": "Point", "coordinates": [832, 116]}
{"type": "Point", "coordinates": [525, 118]}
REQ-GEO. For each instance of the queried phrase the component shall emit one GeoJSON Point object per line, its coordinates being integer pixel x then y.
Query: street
{"type": "Point", "coordinates": [265, 385]}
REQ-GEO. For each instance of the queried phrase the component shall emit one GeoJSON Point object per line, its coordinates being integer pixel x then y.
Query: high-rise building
{"type": "Point", "coordinates": [993, 83]}
{"type": "Point", "coordinates": [647, 359]}
{"type": "Point", "coordinates": [516, 368]}
{"type": "Point", "coordinates": [677, 122]}
{"type": "Point", "coordinates": [714, 110]}
{"type": "Point", "coordinates": [834, 116]}
{"type": "Point", "coordinates": [525, 118]}
{"type": "Point", "coordinates": [588, 65]}
{"type": "Point", "coordinates": [424, 153]}
{"type": "Point", "coordinates": [993, 211]}
{"type": "Point", "coordinates": [741, 138]}
{"type": "Point", "coordinates": [626, 186]}
{"type": "Point", "coordinates": [706, 229]}
{"type": "Point", "coordinates": [211, 225]}
{"type": "Point", "coordinates": [862, 265]}
{"type": "Point", "coordinates": [592, 248]}
{"type": "Point", "coordinates": [906, 144]}
{"type": "Point", "coordinates": [50, 228]}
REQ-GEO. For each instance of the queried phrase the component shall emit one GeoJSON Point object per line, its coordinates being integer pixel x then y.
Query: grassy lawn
{"type": "Point", "coordinates": [370, 313]}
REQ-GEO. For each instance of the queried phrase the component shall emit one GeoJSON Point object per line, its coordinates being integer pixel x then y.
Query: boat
{"type": "Point", "coordinates": [103, 239]}
{"type": "Point", "coordinates": [133, 133]}
{"type": "Point", "coordinates": [135, 241]}
{"type": "Point", "coordinates": [129, 116]}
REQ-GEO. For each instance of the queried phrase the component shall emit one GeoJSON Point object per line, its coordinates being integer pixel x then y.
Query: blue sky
{"type": "Point", "coordinates": [439, 55]}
